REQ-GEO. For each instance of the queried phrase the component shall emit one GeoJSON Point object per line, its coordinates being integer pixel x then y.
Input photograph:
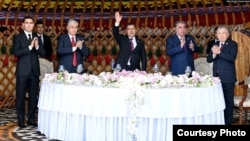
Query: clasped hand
{"type": "Point", "coordinates": [34, 43]}
{"type": "Point", "coordinates": [79, 44]}
{"type": "Point", "coordinates": [215, 50]}
{"type": "Point", "coordinates": [191, 44]}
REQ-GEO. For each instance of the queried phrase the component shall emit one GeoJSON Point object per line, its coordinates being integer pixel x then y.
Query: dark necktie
{"type": "Point", "coordinates": [183, 40]}
{"type": "Point", "coordinates": [74, 53]}
{"type": "Point", "coordinates": [131, 44]}
{"type": "Point", "coordinates": [40, 40]}
{"type": "Point", "coordinates": [131, 48]}
{"type": "Point", "coordinates": [29, 38]}
{"type": "Point", "coordinates": [221, 45]}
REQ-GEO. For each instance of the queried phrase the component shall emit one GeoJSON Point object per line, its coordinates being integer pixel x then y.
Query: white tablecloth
{"type": "Point", "coordinates": [78, 113]}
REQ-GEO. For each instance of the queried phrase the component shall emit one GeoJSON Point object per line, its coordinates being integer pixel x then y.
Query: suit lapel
{"type": "Point", "coordinates": [177, 40]}
{"type": "Point", "coordinates": [225, 46]}
{"type": "Point", "coordinates": [24, 38]}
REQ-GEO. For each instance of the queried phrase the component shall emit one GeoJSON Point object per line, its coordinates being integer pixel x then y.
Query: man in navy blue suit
{"type": "Point", "coordinates": [129, 58]}
{"type": "Point", "coordinates": [71, 48]}
{"type": "Point", "coordinates": [181, 47]}
{"type": "Point", "coordinates": [223, 55]}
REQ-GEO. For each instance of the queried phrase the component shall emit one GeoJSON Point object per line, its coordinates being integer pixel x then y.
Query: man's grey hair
{"type": "Point", "coordinates": [223, 27]}
{"type": "Point", "coordinates": [71, 21]}
{"type": "Point", "coordinates": [180, 22]}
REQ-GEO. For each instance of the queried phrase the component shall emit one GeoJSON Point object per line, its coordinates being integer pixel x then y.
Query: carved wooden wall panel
{"type": "Point", "coordinates": [102, 44]}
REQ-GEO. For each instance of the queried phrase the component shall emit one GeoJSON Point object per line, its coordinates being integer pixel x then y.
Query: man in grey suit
{"type": "Point", "coordinates": [26, 49]}
{"type": "Point", "coordinates": [132, 54]}
{"type": "Point", "coordinates": [223, 55]}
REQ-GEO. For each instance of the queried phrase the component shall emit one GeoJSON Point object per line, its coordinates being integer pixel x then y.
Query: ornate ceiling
{"type": "Point", "coordinates": [12, 11]}
{"type": "Point", "coordinates": [86, 5]}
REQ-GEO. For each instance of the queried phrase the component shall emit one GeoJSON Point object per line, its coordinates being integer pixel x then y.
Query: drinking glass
{"type": "Point", "coordinates": [79, 68]}
{"type": "Point", "coordinates": [156, 68]}
{"type": "Point", "coordinates": [117, 68]}
{"type": "Point", "coordinates": [188, 71]}
{"type": "Point", "coordinates": [61, 68]}
{"type": "Point", "coordinates": [112, 64]}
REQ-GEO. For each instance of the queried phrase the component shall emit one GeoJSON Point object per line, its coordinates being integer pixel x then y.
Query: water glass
{"type": "Point", "coordinates": [79, 68]}
{"type": "Point", "coordinates": [188, 70]}
{"type": "Point", "coordinates": [61, 68]}
{"type": "Point", "coordinates": [117, 68]}
{"type": "Point", "coordinates": [156, 68]}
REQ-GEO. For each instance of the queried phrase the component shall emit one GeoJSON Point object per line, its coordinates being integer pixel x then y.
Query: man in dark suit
{"type": "Point", "coordinates": [181, 47]}
{"type": "Point", "coordinates": [212, 42]}
{"type": "Point", "coordinates": [223, 56]}
{"type": "Point", "coordinates": [132, 54]}
{"type": "Point", "coordinates": [44, 40]}
{"type": "Point", "coordinates": [71, 48]}
{"type": "Point", "coordinates": [27, 49]}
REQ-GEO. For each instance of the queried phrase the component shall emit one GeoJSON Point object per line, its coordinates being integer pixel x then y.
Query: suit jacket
{"type": "Point", "coordinates": [137, 56]}
{"type": "Point", "coordinates": [27, 61]}
{"type": "Point", "coordinates": [47, 47]}
{"type": "Point", "coordinates": [224, 63]}
{"type": "Point", "coordinates": [180, 57]}
{"type": "Point", "coordinates": [65, 54]}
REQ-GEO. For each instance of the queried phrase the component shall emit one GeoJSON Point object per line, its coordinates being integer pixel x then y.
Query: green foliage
{"type": "Point", "coordinates": [113, 50]}
{"type": "Point", "coordinates": [95, 52]}
{"type": "Point", "coordinates": [158, 52]}
{"type": "Point", "coordinates": [3, 49]}
{"type": "Point", "coordinates": [104, 51]}
{"type": "Point", "coordinates": [150, 53]}
{"type": "Point", "coordinates": [11, 50]}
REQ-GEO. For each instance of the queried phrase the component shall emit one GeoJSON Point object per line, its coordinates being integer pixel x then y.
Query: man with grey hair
{"type": "Point", "coordinates": [71, 48]}
{"type": "Point", "coordinates": [223, 55]}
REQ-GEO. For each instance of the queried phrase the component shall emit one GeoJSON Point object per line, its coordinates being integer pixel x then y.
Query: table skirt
{"type": "Point", "coordinates": [74, 127]}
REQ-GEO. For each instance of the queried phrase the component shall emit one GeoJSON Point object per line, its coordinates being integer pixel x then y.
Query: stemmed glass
{"type": "Point", "coordinates": [117, 68]}
{"type": "Point", "coordinates": [61, 68]}
{"type": "Point", "coordinates": [156, 68]}
{"type": "Point", "coordinates": [188, 71]}
{"type": "Point", "coordinates": [79, 68]}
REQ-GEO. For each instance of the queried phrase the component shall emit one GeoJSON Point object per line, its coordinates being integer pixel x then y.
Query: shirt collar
{"type": "Point", "coordinates": [27, 33]}
{"type": "Point", "coordinates": [180, 37]}
{"type": "Point", "coordinates": [40, 35]}
{"type": "Point", "coordinates": [70, 36]}
{"type": "Point", "coordinates": [133, 38]}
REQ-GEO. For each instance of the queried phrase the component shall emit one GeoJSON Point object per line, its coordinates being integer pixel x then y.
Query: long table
{"type": "Point", "coordinates": [81, 113]}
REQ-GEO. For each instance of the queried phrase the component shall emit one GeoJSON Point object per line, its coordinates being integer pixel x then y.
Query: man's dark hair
{"type": "Point", "coordinates": [28, 17]}
{"type": "Point", "coordinates": [39, 22]}
{"type": "Point", "coordinates": [130, 24]}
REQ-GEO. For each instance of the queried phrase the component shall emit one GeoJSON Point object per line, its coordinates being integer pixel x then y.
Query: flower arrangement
{"type": "Point", "coordinates": [133, 79]}
{"type": "Point", "coordinates": [137, 82]}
